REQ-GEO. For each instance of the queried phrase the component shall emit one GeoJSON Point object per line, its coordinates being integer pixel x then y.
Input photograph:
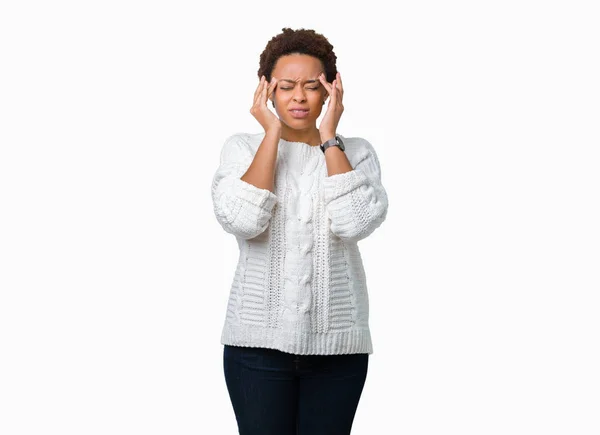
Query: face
{"type": "Point", "coordinates": [298, 86]}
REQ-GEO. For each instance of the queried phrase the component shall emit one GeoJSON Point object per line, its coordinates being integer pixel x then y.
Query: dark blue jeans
{"type": "Point", "coordinates": [279, 393]}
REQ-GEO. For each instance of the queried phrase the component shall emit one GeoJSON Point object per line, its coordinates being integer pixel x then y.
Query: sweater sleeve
{"type": "Point", "coordinates": [241, 208]}
{"type": "Point", "coordinates": [356, 201]}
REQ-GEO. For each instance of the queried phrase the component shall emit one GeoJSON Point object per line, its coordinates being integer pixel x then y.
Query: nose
{"type": "Point", "coordinates": [299, 94]}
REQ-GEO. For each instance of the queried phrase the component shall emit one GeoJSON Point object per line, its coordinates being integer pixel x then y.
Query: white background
{"type": "Point", "coordinates": [114, 272]}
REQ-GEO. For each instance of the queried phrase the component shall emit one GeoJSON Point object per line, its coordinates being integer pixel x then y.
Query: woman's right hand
{"type": "Point", "coordinates": [259, 109]}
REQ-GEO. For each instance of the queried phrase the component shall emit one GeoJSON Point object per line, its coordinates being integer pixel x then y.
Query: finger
{"type": "Point", "coordinates": [332, 98]}
{"type": "Point", "coordinates": [263, 95]}
{"type": "Point", "coordinates": [325, 83]}
{"type": "Point", "coordinates": [339, 81]}
{"type": "Point", "coordinates": [258, 88]}
{"type": "Point", "coordinates": [338, 94]}
{"type": "Point", "coordinates": [269, 87]}
{"type": "Point", "coordinates": [272, 87]}
{"type": "Point", "coordinates": [339, 86]}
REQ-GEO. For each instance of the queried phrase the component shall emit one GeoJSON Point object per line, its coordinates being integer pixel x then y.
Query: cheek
{"type": "Point", "coordinates": [317, 99]}
{"type": "Point", "coordinates": [278, 96]}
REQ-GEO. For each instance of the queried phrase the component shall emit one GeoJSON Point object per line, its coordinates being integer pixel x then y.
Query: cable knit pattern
{"type": "Point", "coordinates": [241, 208]}
{"type": "Point", "coordinates": [299, 285]}
{"type": "Point", "coordinates": [357, 202]}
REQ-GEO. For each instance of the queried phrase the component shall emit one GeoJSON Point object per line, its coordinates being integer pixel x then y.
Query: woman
{"type": "Point", "coordinates": [298, 199]}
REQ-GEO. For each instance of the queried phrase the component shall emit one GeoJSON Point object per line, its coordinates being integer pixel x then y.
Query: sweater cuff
{"type": "Point", "coordinates": [337, 185]}
{"type": "Point", "coordinates": [262, 198]}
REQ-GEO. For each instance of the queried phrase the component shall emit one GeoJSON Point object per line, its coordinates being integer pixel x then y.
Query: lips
{"type": "Point", "coordinates": [299, 113]}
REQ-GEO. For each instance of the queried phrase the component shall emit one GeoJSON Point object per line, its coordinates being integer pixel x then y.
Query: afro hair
{"type": "Point", "coordinates": [301, 41]}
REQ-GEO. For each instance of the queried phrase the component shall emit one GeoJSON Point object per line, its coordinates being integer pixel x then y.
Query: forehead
{"type": "Point", "coordinates": [297, 67]}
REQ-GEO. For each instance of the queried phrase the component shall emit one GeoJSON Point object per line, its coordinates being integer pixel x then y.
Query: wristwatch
{"type": "Point", "coordinates": [335, 142]}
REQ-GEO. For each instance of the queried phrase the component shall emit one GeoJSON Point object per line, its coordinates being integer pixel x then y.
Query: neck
{"type": "Point", "coordinates": [309, 135]}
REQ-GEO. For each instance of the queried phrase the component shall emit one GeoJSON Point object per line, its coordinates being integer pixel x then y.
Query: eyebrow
{"type": "Point", "coordinates": [292, 81]}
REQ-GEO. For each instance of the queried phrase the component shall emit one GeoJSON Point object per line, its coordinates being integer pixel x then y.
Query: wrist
{"type": "Point", "coordinates": [326, 136]}
{"type": "Point", "coordinates": [273, 132]}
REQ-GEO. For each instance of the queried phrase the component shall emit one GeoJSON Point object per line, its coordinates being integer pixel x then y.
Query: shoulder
{"type": "Point", "coordinates": [247, 141]}
{"type": "Point", "coordinates": [355, 143]}
{"type": "Point", "coordinates": [235, 146]}
{"type": "Point", "coordinates": [358, 149]}
{"type": "Point", "coordinates": [237, 139]}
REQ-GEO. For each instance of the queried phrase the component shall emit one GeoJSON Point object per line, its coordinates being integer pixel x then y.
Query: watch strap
{"type": "Point", "coordinates": [329, 143]}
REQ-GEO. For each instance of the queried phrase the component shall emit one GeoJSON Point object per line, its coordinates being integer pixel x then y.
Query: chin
{"type": "Point", "coordinates": [294, 121]}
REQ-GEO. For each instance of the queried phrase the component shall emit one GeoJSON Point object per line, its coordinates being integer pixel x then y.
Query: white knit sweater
{"type": "Point", "coordinates": [299, 285]}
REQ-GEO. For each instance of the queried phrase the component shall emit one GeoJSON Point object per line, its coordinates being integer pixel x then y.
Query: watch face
{"type": "Point", "coordinates": [339, 140]}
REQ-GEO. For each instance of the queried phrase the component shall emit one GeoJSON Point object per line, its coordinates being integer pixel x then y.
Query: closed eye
{"type": "Point", "coordinates": [287, 89]}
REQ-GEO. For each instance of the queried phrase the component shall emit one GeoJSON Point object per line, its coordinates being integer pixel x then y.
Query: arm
{"type": "Point", "coordinates": [242, 208]}
{"type": "Point", "coordinates": [355, 200]}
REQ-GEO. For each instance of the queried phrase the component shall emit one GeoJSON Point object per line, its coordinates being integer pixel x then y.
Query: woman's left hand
{"type": "Point", "coordinates": [329, 123]}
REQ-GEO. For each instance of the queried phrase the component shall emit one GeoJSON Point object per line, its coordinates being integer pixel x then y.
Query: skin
{"type": "Point", "coordinates": [298, 68]}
